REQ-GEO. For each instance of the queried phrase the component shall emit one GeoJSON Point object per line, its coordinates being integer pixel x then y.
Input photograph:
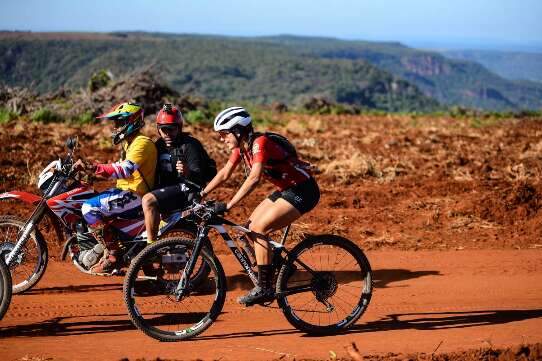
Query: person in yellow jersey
{"type": "Point", "coordinates": [134, 174]}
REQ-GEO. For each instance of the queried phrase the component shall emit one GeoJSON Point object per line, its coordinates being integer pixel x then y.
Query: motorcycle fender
{"type": "Point", "coordinates": [23, 196]}
{"type": "Point", "coordinates": [33, 199]}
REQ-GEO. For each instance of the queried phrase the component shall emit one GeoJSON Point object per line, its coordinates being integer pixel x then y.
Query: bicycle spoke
{"type": "Point", "coordinates": [336, 286]}
{"type": "Point", "coordinates": [158, 311]}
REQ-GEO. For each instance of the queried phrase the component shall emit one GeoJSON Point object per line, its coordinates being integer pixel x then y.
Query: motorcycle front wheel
{"type": "Point", "coordinates": [5, 288]}
{"type": "Point", "coordinates": [29, 265]}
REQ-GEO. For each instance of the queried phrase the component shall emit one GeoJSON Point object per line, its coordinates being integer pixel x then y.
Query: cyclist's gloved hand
{"type": "Point", "coordinates": [220, 207]}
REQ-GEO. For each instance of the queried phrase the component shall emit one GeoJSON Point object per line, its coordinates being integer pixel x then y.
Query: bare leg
{"type": "Point", "coordinates": [277, 215]}
{"type": "Point", "coordinates": [152, 216]}
{"type": "Point", "coordinates": [261, 209]}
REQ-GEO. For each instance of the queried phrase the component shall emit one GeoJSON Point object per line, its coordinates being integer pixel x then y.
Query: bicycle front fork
{"type": "Point", "coordinates": [182, 286]}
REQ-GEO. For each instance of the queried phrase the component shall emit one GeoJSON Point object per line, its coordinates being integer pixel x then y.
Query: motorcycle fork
{"type": "Point", "coordinates": [25, 232]}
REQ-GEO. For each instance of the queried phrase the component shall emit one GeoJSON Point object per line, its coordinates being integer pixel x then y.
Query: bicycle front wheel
{"type": "Point", "coordinates": [336, 291]}
{"type": "Point", "coordinates": [5, 288]}
{"type": "Point", "coordinates": [152, 304]}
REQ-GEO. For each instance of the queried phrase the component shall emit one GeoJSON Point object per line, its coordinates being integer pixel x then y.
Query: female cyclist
{"type": "Point", "coordinates": [262, 154]}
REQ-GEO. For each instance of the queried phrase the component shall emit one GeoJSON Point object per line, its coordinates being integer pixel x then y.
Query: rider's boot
{"type": "Point", "coordinates": [262, 293]}
{"type": "Point", "coordinates": [108, 264]}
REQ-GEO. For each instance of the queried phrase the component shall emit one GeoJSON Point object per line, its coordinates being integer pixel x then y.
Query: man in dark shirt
{"type": "Point", "coordinates": [180, 157]}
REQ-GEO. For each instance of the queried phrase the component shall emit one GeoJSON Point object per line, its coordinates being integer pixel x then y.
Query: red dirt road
{"type": "Point", "coordinates": [458, 299]}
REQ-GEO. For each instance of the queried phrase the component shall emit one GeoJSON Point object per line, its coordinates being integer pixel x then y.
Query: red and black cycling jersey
{"type": "Point", "coordinates": [280, 169]}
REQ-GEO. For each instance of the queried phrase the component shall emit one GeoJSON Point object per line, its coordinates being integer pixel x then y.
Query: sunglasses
{"type": "Point", "coordinates": [168, 128]}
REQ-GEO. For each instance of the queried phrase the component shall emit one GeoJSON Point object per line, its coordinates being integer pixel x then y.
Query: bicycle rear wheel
{"type": "Point", "coordinates": [5, 288]}
{"type": "Point", "coordinates": [334, 295]}
{"type": "Point", "coordinates": [151, 301]}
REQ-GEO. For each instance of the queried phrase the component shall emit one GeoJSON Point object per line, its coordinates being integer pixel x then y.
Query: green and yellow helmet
{"type": "Point", "coordinates": [128, 118]}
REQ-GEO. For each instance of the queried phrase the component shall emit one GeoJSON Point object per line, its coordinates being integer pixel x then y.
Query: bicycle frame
{"type": "Point", "coordinates": [218, 223]}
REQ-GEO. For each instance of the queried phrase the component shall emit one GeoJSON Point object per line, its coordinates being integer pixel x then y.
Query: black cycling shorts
{"type": "Point", "coordinates": [304, 197]}
{"type": "Point", "coordinates": [171, 198]}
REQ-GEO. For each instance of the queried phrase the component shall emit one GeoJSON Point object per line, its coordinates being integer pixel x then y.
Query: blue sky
{"type": "Point", "coordinates": [431, 23]}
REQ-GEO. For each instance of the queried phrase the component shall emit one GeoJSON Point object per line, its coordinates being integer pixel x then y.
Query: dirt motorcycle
{"type": "Point", "coordinates": [23, 246]}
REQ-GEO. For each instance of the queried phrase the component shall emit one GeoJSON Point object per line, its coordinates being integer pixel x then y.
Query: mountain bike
{"type": "Point", "coordinates": [5, 288]}
{"type": "Point", "coordinates": [323, 285]}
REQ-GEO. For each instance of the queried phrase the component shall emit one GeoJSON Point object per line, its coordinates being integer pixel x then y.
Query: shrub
{"type": "Point", "coordinates": [196, 116]}
{"type": "Point", "coordinates": [85, 118]}
{"type": "Point", "coordinates": [99, 80]}
{"type": "Point", "coordinates": [6, 115]}
{"type": "Point", "coordinates": [45, 115]}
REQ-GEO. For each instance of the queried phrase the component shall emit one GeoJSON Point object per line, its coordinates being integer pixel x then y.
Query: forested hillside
{"type": "Point", "coordinates": [384, 76]}
{"type": "Point", "coordinates": [511, 65]}
{"type": "Point", "coordinates": [452, 82]}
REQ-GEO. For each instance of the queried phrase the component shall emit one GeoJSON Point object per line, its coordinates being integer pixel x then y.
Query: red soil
{"type": "Point", "coordinates": [449, 213]}
{"type": "Point", "coordinates": [453, 300]}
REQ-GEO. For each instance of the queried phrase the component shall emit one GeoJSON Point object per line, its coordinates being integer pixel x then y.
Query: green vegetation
{"type": "Point", "coordinates": [99, 80]}
{"type": "Point", "coordinates": [353, 76]}
{"type": "Point", "coordinates": [451, 82]}
{"type": "Point", "coordinates": [6, 115]}
{"type": "Point", "coordinates": [84, 118]}
{"type": "Point", "coordinates": [197, 116]}
{"type": "Point", "coordinates": [45, 115]}
{"type": "Point", "coordinates": [227, 69]}
{"type": "Point", "coordinates": [510, 65]}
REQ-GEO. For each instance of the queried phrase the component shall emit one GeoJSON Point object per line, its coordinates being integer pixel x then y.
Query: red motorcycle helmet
{"type": "Point", "coordinates": [169, 115]}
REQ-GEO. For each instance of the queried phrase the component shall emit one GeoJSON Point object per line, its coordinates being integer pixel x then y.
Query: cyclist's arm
{"type": "Point", "coordinates": [136, 154]}
{"type": "Point", "coordinates": [117, 170]}
{"type": "Point", "coordinates": [221, 176]}
{"type": "Point", "coordinates": [249, 185]}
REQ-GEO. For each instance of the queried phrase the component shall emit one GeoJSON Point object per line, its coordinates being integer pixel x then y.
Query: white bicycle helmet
{"type": "Point", "coordinates": [232, 117]}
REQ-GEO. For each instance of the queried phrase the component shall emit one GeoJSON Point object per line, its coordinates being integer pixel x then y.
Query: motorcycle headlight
{"type": "Point", "coordinates": [46, 176]}
{"type": "Point", "coordinates": [44, 181]}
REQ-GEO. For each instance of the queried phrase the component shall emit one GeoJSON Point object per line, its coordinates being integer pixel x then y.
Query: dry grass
{"type": "Point", "coordinates": [358, 165]}
{"type": "Point", "coordinates": [301, 126]}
